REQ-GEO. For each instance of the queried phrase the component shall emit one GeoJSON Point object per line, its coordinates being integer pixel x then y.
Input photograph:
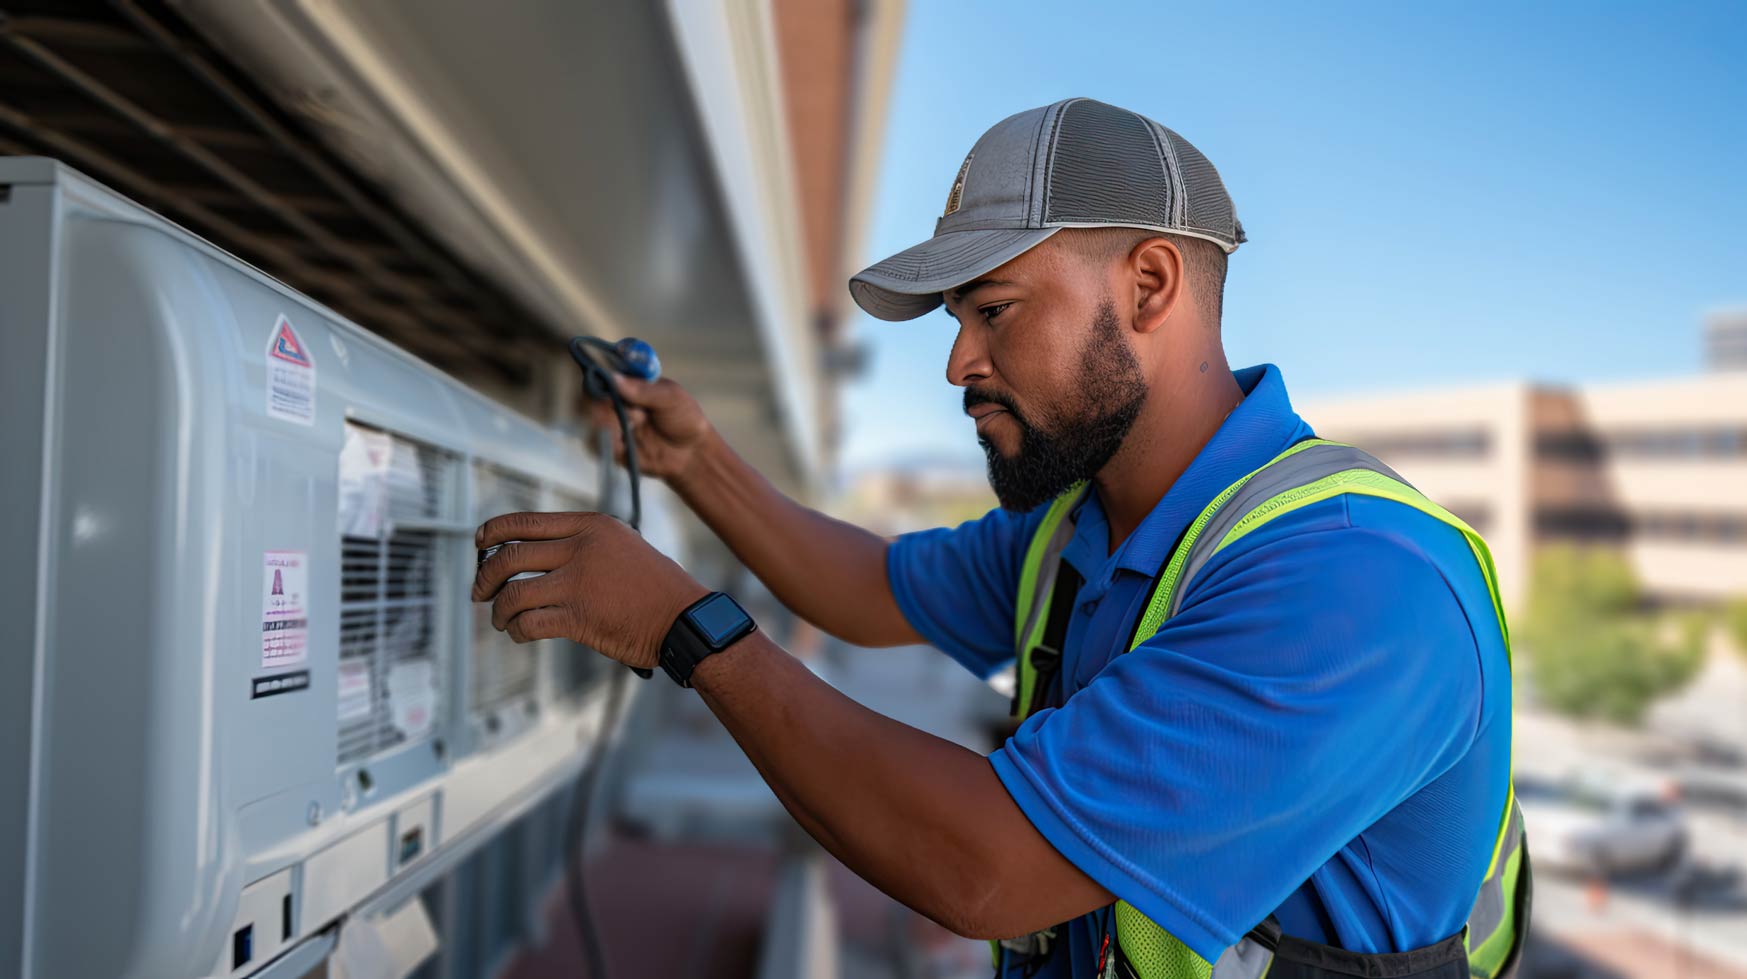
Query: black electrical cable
{"type": "Point", "coordinates": [598, 382]}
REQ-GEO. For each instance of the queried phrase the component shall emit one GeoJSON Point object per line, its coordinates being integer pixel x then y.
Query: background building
{"type": "Point", "coordinates": [915, 494]}
{"type": "Point", "coordinates": [1657, 469]}
{"type": "Point", "coordinates": [1726, 339]}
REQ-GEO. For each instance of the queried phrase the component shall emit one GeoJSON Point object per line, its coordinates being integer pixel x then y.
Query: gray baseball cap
{"type": "Point", "coordinates": [1078, 163]}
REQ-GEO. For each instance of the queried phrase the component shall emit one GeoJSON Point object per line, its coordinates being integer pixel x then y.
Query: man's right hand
{"type": "Point", "coordinates": [666, 422]}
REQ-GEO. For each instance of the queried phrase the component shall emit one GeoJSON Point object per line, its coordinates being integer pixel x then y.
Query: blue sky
{"type": "Point", "coordinates": [1435, 194]}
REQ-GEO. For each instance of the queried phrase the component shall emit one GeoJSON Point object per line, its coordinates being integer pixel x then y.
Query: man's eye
{"type": "Point", "coordinates": [990, 312]}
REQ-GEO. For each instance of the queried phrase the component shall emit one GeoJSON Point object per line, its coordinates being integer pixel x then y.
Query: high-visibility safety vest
{"type": "Point", "coordinates": [1312, 470]}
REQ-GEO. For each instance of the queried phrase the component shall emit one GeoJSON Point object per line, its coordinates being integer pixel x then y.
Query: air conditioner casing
{"type": "Point", "coordinates": [162, 783]}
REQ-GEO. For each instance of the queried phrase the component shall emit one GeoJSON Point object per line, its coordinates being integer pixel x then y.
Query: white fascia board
{"type": "Point", "coordinates": [876, 55]}
{"type": "Point", "coordinates": [729, 53]}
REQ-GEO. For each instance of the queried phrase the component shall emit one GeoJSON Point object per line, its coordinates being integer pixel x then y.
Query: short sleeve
{"type": "Point", "coordinates": [958, 586]}
{"type": "Point", "coordinates": [1314, 682]}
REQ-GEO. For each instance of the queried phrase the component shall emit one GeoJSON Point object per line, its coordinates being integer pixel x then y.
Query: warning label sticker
{"type": "Point", "coordinates": [284, 614]}
{"type": "Point", "coordinates": [290, 376]}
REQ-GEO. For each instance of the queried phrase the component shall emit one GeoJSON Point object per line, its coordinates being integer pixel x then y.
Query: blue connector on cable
{"type": "Point", "coordinates": [637, 359]}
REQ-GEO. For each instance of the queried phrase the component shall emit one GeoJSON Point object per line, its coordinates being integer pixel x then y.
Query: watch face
{"type": "Point", "coordinates": [719, 619]}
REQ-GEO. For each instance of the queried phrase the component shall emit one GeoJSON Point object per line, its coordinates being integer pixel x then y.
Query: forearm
{"type": "Point", "coordinates": [923, 819]}
{"type": "Point", "coordinates": [829, 572]}
{"type": "Point", "coordinates": [896, 816]}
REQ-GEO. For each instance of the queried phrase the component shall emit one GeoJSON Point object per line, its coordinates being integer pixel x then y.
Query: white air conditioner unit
{"type": "Point", "coordinates": [243, 694]}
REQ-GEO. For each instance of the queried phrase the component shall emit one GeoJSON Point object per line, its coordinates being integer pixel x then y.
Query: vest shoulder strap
{"type": "Point", "coordinates": [1037, 594]}
{"type": "Point", "coordinates": [1260, 494]}
{"type": "Point", "coordinates": [1310, 471]}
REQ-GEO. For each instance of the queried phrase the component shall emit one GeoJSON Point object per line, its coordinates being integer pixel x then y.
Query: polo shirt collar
{"type": "Point", "coordinates": [1261, 427]}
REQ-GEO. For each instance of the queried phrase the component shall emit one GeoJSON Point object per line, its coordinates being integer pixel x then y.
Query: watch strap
{"type": "Point", "coordinates": [687, 645]}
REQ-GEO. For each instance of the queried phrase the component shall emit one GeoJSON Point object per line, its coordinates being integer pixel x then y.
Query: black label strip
{"type": "Point", "coordinates": [272, 686]}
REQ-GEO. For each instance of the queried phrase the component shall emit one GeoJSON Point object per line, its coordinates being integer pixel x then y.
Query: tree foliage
{"type": "Point", "coordinates": [1735, 618]}
{"type": "Point", "coordinates": [1593, 651]}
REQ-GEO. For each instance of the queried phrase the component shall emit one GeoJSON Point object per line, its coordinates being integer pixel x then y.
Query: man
{"type": "Point", "coordinates": [1266, 685]}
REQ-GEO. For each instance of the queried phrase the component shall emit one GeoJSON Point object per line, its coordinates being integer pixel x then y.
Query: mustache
{"type": "Point", "coordinates": [977, 396]}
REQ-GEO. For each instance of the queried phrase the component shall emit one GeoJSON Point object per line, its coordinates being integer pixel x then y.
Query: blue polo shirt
{"type": "Point", "coordinates": [1321, 733]}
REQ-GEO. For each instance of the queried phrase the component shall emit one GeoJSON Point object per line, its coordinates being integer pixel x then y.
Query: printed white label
{"type": "Point", "coordinates": [290, 375]}
{"type": "Point", "coordinates": [365, 457]}
{"type": "Point", "coordinates": [284, 613]}
{"type": "Point", "coordinates": [412, 697]}
{"type": "Point", "coordinates": [355, 694]}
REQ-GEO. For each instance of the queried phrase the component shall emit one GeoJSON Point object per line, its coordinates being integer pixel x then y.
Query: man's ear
{"type": "Point", "coordinates": [1159, 287]}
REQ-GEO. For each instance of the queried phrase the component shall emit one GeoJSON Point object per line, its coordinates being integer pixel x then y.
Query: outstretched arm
{"type": "Point", "coordinates": [925, 820]}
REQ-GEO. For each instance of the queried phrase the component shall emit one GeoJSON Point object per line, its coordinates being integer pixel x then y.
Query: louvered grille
{"type": "Point", "coordinates": [361, 710]}
{"type": "Point", "coordinates": [389, 676]}
{"type": "Point", "coordinates": [408, 565]}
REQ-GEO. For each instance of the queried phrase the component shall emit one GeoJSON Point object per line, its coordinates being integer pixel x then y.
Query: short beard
{"type": "Point", "coordinates": [1081, 436]}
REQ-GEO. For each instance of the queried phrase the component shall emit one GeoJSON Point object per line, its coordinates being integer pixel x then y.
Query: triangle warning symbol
{"type": "Point", "coordinates": [286, 346]}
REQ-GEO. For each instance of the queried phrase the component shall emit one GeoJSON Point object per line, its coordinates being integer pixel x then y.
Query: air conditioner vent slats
{"type": "Point", "coordinates": [360, 567]}
{"type": "Point", "coordinates": [389, 600]}
{"type": "Point", "coordinates": [409, 564]}
{"type": "Point", "coordinates": [360, 711]}
{"type": "Point", "coordinates": [415, 481]}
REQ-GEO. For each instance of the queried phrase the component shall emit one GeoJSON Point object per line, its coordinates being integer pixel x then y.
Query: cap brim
{"type": "Point", "coordinates": [909, 283]}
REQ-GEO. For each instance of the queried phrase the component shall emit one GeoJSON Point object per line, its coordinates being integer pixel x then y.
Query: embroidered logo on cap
{"type": "Point", "coordinates": [956, 196]}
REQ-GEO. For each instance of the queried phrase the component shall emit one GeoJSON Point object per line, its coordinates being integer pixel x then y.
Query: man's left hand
{"type": "Point", "coordinates": [603, 585]}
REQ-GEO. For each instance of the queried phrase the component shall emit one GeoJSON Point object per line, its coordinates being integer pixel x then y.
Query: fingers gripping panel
{"type": "Point", "coordinates": [503, 675]}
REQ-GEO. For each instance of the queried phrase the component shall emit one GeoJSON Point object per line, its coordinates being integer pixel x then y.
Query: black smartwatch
{"type": "Point", "coordinates": [708, 626]}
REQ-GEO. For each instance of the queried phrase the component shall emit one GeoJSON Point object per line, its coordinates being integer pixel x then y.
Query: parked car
{"type": "Point", "coordinates": [1591, 825]}
{"type": "Point", "coordinates": [1723, 791]}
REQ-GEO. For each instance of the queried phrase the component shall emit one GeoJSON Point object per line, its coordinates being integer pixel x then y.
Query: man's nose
{"type": "Point", "coordinates": [969, 361]}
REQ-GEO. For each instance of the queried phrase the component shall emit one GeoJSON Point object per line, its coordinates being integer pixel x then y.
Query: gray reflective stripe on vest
{"type": "Point", "coordinates": [1298, 469]}
{"type": "Point", "coordinates": [1488, 912]}
{"type": "Point", "coordinates": [1248, 959]}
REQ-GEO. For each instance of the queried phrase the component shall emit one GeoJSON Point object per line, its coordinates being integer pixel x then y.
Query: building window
{"type": "Point", "coordinates": [1692, 443]}
{"type": "Point", "coordinates": [1697, 528]}
{"type": "Point", "coordinates": [1576, 446]}
{"type": "Point", "coordinates": [1683, 443]}
{"type": "Point", "coordinates": [1603, 525]}
{"type": "Point", "coordinates": [1453, 444]}
{"type": "Point", "coordinates": [1582, 524]}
